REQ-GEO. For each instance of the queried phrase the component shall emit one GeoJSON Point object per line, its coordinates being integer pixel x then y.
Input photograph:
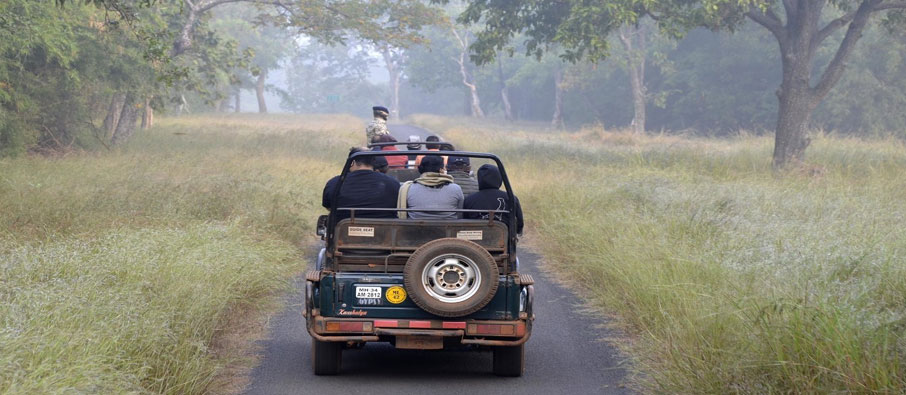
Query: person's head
{"type": "Point", "coordinates": [459, 163]}
{"type": "Point", "coordinates": [362, 162]}
{"type": "Point", "coordinates": [383, 138]}
{"type": "Point", "coordinates": [414, 143]}
{"type": "Point", "coordinates": [489, 177]}
{"type": "Point", "coordinates": [431, 164]}
{"type": "Point", "coordinates": [432, 139]}
{"type": "Point", "coordinates": [381, 165]}
{"type": "Point", "coordinates": [380, 112]}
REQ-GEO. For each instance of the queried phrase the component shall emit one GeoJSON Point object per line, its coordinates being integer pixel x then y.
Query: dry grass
{"type": "Point", "coordinates": [729, 279]}
{"type": "Point", "coordinates": [124, 271]}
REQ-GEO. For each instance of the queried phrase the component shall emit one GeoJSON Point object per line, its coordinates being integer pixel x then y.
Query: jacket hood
{"type": "Point", "coordinates": [489, 177]}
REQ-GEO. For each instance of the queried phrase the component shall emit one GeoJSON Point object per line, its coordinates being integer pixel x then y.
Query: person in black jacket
{"type": "Point", "coordinates": [490, 197]}
{"type": "Point", "coordinates": [363, 188]}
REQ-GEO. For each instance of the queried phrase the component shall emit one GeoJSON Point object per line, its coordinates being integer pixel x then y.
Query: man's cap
{"type": "Point", "coordinates": [458, 161]}
{"type": "Point", "coordinates": [380, 109]}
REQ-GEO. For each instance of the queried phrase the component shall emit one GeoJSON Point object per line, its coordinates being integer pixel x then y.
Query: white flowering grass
{"type": "Point", "coordinates": [119, 269]}
{"type": "Point", "coordinates": [729, 279]}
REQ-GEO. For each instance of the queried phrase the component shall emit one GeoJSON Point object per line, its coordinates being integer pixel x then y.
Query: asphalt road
{"type": "Point", "coordinates": [564, 355]}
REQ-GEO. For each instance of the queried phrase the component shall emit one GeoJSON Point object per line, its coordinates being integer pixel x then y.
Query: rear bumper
{"type": "Point", "coordinates": [475, 332]}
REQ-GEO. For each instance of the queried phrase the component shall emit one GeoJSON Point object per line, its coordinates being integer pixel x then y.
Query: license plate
{"type": "Point", "coordinates": [368, 292]}
{"type": "Point", "coordinates": [420, 342]}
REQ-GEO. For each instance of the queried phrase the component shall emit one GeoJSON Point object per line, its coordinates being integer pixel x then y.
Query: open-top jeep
{"type": "Point", "coordinates": [418, 284]}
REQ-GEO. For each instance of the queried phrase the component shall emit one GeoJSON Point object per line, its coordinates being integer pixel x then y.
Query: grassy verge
{"type": "Point", "coordinates": [119, 269]}
{"type": "Point", "coordinates": [730, 280]}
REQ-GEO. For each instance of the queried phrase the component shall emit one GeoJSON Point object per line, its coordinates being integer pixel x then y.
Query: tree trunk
{"type": "Point", "coordinates": [126, 126]}
{"type": "Point", "coordinates": [392, 63]}
{"type": "Point", "coordinates": [237, 107]}
{"type": "Point", "coordinates": [184, 41]}
{"type": "Point", "coordinates": [148, 115]}
{"type": "Point", "coordinates": [475, 101]}
{"type": "Point", "coordinates": [113, 113]}
{"type": "Point", "coordinates": [633, 39]}
{"type": "Point", "coordinates": [504, 93]}
{"type": "Point", "coordinates": [557, 119]}
{"type": "Point", "coordinates": [259, 90]}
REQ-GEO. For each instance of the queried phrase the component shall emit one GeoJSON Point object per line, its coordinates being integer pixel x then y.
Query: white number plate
{"type": "Point", "coordinates": [368, 292]}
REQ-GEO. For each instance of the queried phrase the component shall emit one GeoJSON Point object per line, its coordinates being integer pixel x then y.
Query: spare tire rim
{"type": "Point", "coordinates": [451, 278]}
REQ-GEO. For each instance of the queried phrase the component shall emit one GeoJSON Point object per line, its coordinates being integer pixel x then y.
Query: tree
{"type": "Point", "coordinates": [800, 28]}
{"type": "Point", "coordinates": [634, 40]}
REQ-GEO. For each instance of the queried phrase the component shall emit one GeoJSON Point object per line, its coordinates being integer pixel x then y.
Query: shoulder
{"type": "Point", "coordinates": [390, 180]}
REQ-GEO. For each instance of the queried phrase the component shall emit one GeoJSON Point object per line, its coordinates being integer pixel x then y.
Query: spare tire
{"type": "Point", "coordinates": [451, 277]}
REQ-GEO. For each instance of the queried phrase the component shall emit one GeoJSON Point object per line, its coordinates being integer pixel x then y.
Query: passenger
{"type": "Point", "coordinates": [460, 169]}
{"type": "Point", "coordinates": [413, 145]}
{"type": "Point", "coordinates": [378, 125]}
{"type": "Point", "coordinates": [394, 161]}
{"type": "Point", "coordinates": [430, 147]}
{"type": "Point", "coordinates": [363, 188]}
{"type": "Point", "coordinates": [381, 165]}
{"type": "Point", "coordinates": [490, 197]}
{"type": "Point", "coordinates": [432, 190]}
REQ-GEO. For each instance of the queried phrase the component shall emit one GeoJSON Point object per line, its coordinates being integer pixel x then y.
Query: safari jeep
{"type": "Point", "coordinates": [418, 284]}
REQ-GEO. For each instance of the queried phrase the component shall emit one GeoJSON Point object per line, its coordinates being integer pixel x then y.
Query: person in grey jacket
{"type": "Point", "coordinates": [459, 168]}
{"type": "Point", "coordinates": [432, 190]}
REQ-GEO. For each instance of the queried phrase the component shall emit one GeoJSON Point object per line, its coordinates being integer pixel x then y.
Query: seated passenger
{"type": "Point", "coordinates": [413, 145]}
{"type": "Point", "coordinates": [459, 168]}
{"type": "Point", "coordinates": [381, 165]}
{"type": "Point", "coordinates": [431, 190]}
{"type": "Point", "coordinates": [394, 161]}
{"type": "Point", "coordinates": [430, 147]}
{"type": "Point", "coordinates": [490, 197]}
{"type": "Point", "coordinates": [363, 188]}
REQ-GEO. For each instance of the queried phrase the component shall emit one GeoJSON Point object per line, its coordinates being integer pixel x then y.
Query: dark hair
{"type": "Point", "coordinates": [384, 138]}
{"type": "Point", "coordinates": [432, 146]}
{"type": "Point", "coordinates": [431, 164]}
{"type": "Point", "coordinates": [362, 160]}
{"type": "Point", "coordinates": [381, 164]}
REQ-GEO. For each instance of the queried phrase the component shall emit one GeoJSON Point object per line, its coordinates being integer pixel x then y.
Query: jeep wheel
{"type": "Point", "coordinates": [326, 357]}
{"type": "Point", "coordinates": [509, 361]}
{"type": "Point", "coordinates": [451, 277]}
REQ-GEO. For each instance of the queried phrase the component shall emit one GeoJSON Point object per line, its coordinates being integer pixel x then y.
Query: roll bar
{"type": "Point", "coordinates": [511, 201]}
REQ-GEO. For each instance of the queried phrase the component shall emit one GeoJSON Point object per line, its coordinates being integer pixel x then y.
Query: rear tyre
{"type": "Point", "coordinates": [509, 361]}
{"type": "Point", "coordinates": [451, 277]}
{"type": "Point", "coordinates": [326, 357]}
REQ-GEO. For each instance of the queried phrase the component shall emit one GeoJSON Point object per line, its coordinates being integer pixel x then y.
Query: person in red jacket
{"type": "Point", "coordinates": [395, 161]}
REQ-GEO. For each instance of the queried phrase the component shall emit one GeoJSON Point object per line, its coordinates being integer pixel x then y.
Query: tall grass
{"type": "Point", "coordinates": [728, 278]}
{"type": "Point", "coordinates": [118, 269]}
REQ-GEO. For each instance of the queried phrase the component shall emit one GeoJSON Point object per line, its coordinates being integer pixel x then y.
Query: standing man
{"type": "Point", "coordinates": [378, 126]}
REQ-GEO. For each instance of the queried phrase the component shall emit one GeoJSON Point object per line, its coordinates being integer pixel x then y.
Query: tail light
{"type": "Point", "coordinates": [349, 326]}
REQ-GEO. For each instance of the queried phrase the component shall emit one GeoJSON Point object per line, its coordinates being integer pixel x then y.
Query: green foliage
{"type": "Point", "coordinates": [330, 79]}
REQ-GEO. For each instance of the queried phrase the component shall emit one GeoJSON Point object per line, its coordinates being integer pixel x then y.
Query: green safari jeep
{"type": "Point", "coordinates": [419, 284]}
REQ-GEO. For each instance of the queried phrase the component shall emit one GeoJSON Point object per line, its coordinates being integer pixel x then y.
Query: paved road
{"type": "Point", "coordinates": [564, 354]}
{"type": "Point", "coordinates": [402, 132]}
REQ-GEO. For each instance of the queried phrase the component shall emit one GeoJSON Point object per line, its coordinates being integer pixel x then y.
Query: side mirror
{"type": "Point", "coordinates": [322, 226]}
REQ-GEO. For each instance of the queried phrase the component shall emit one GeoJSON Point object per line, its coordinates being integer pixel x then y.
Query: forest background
{"type": "Point", "coordinates": [69, 73]}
